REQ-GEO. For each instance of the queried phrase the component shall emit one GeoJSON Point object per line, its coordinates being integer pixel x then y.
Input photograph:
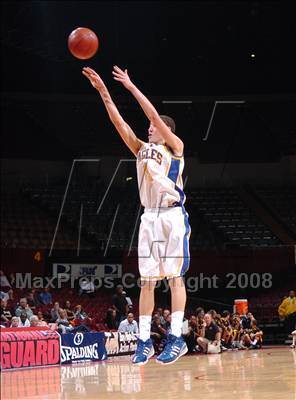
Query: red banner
{"type": "Point", "coordinates": [34, 348]}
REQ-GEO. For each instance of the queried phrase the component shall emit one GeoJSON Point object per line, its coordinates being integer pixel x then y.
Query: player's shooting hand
{"type": "Point", "coordinates": [93, 77]}
{"type": "Point", "coordinates": [122, 76]}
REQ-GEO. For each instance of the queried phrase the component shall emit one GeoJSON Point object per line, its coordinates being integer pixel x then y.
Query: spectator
{"type": "Point", "coordinates": [167, 323]}
{"type": "Point", "coordinates": [45, 297]}
{"type": "Point", "coordinates": [227, 333]}
{"type": "Point", "coordinates": [237, 332]}
{"type": "Point", "coordinates": [200, 313]}
{"type": "Point", "coordinates": [34, 321]}
{"type": "Point", "coordinates": [209, 341]}
{"type": "Point", "coordinates": [41, 320]}
{"type": "Point", "coordinates": [246, 320]}
{"type": "Point", "coordinates": [63, 323]}
{"type": "Point", "coordinates": [80, 313]}
{"type": "Point", "coordinates": [4, 282]}
{"type": "Point", "coordinates": [129, 325]}
{"type": "Point", "coordinates": [31, 300]}
{"type": "Point", "coordinates": [287, 311]}
{"type": "Point", "coordinates": [14, 322]}
{"type": "Point", "coordinates": [23, 308]}
{"type": "Point", "coordinates": [5, 313]}
{"type": "Point", "coordinates": [55, 312]}
{"type": "Point", "coordinates": [24, 320]}
{"type": "Point", "coordinates": [119, 303]}
{"type": "Point", "coordinates": [111, 320]}
{"type": "Point", "coordinates": [158, 333]}
{"type": "Point", "coordinates": [70, 312]}
{"type": "Point", "coordinates": [192, 333]}
{"type": "Point", "coordinates": [253, 337]}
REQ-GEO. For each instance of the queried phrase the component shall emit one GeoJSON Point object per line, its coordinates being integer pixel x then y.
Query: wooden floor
{"type": "Point", "coordinates": [241, 375]}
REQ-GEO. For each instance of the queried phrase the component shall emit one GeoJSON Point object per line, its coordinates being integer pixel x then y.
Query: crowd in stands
{"type": "Point", "coordinates": [205, 332]}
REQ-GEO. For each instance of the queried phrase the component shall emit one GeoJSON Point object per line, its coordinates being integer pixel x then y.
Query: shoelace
{"type": "Point", "coordinates": [168, 348]}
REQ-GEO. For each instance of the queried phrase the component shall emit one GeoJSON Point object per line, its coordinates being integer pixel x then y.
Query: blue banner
{"type": "Point", "coordinates": [82, 346]}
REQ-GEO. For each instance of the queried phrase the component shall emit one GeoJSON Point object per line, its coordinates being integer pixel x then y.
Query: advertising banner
{"type": "Point", "coordinates": [118, 343]}
{"type": "Point", "coordinates": [82, 346]}
{"type": "Point", "coordinates": [91, 270]}
{"type": "Point", "coordinates": [23, 348]}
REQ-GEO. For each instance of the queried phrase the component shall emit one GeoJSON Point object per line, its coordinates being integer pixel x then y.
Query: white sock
{"type": "Point", "coordinates": [177, 322]}
{"type": "Point", "coordinates": [144, 327]}
{"type": "Point", "coordinates": [294, 340]}
{"type": "Point", "coordinates": [254, 342]}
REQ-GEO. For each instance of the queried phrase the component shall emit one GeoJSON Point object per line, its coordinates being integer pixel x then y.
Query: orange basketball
{"type": "Point", "coordinates": [83, 43]}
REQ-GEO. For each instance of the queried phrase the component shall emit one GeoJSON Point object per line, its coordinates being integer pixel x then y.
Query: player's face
{"type": "Point", "coordinates": [154, 136]}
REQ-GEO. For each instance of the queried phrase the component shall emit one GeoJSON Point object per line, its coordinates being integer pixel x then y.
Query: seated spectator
{"type": "Point", "coordinates": [14, 322]}
{"type": "Point", "coordinates": [200, 313]}
{"type": "Point", "coordinates": [34, 321]}
{"type": "Point", "coordinates": [158, 334]}
{"type": "Point", "coordinates": [119, 303]}
{"type": "Point", "coordinates": [246, 320]}
{"type": "Point", "coordinates": [63, 323]}
{"type": "Point", "coordinates": [128, 325]}
{"type": "Point", "coordinates": [253, 337]}
{"type": "Point", "coordinates": [69, 310]}
{"type": "Point", "coordinates": [287, 311]}
{"type": "Point", "coordinates": [5, 314]}
{"type": "Point", "coordinates": [32, 303]}
{"type": "Point", "coordinates": [80, 313]}
{"type": "Point", "coordinates": [165, 313]}
{"type": "Point", "coordinates": [237, 333]}
{"type": "Point", "coordinates": [45, 297]}
{"type": "Point", "coordinates": [111, 320]}
{"type": "Point", "coordinates": [167, 323]}
{"type": "Point", "coordinates": [24, 320]}
{"type": "Point", "coordinates": [4, 282]}
{"type": "Point", "coordinates": [23, 308]}
{"type": "Point", "coordinates": [191, 335]}
{"type": "Point", "coordinates": [41, 320]}
{"type": "Point", "coordinates": [210, 340]}
{"type": "Point", "coordinates": [55, 312]}
{"type": "Point", "coordinates": [226, 334]}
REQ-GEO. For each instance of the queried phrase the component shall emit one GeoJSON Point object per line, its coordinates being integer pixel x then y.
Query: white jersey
{"type": "Point", "coordinates": [159, 176]}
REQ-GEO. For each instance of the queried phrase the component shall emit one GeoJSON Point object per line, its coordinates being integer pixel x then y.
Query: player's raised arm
{"type": "Point", "coordinates": [169, 137]}
{"type": "Point", "coordinates": [125, 131]}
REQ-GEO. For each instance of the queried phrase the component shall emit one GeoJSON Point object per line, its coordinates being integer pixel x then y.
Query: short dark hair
{"type": "Point", "coordinates": [169, 122]}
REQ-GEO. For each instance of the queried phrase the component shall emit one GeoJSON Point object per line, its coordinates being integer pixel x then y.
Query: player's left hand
{"type": "Point", "coordinates": [122, 76]}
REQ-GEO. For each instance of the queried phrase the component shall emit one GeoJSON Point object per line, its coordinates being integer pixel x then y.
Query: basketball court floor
{"type": "Point", "coordinates": [241, 375]}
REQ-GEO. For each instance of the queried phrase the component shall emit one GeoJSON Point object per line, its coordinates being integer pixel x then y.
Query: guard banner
{"type": "Point", "coordinates": [23, 348]}
{"type": "Point", "coordinates": [82, 346]}
{"type": "Point", "coordinates": [119, 343]}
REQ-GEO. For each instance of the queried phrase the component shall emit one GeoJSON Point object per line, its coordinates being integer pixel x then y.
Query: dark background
{"type": "Point", "coordinates": [198, 51]}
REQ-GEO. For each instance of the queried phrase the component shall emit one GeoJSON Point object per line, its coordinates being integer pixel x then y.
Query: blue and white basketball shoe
{"type": "Point", "coordinates": [174, 349]}
{"type": "Point", "coordinates": [145, 350]}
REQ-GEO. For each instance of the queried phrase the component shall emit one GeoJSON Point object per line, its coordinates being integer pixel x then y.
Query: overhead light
{"type": "Point", "coordinates": [253, 55]}
{"type": "Point", "coordinates": [128, 178]}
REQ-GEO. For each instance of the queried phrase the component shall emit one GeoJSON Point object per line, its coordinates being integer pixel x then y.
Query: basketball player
{"type": "Point", "coordinates": [163, 246]}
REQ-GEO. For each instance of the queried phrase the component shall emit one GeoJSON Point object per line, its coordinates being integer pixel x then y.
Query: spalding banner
{"type": "Point", "coordinates": [82, 346]}
{"type": "Point", "coordinates": [119, 343]}
{"type": "Point", "coordinates": [22, 349]}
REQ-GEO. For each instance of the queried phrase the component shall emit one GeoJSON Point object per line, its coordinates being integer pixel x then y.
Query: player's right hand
{"type": "Point", "coordinates": [93, 77]}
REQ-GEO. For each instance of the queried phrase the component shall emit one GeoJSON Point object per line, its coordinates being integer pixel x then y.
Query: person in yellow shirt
{"type": "Point", "coordinates": [287, 311]}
